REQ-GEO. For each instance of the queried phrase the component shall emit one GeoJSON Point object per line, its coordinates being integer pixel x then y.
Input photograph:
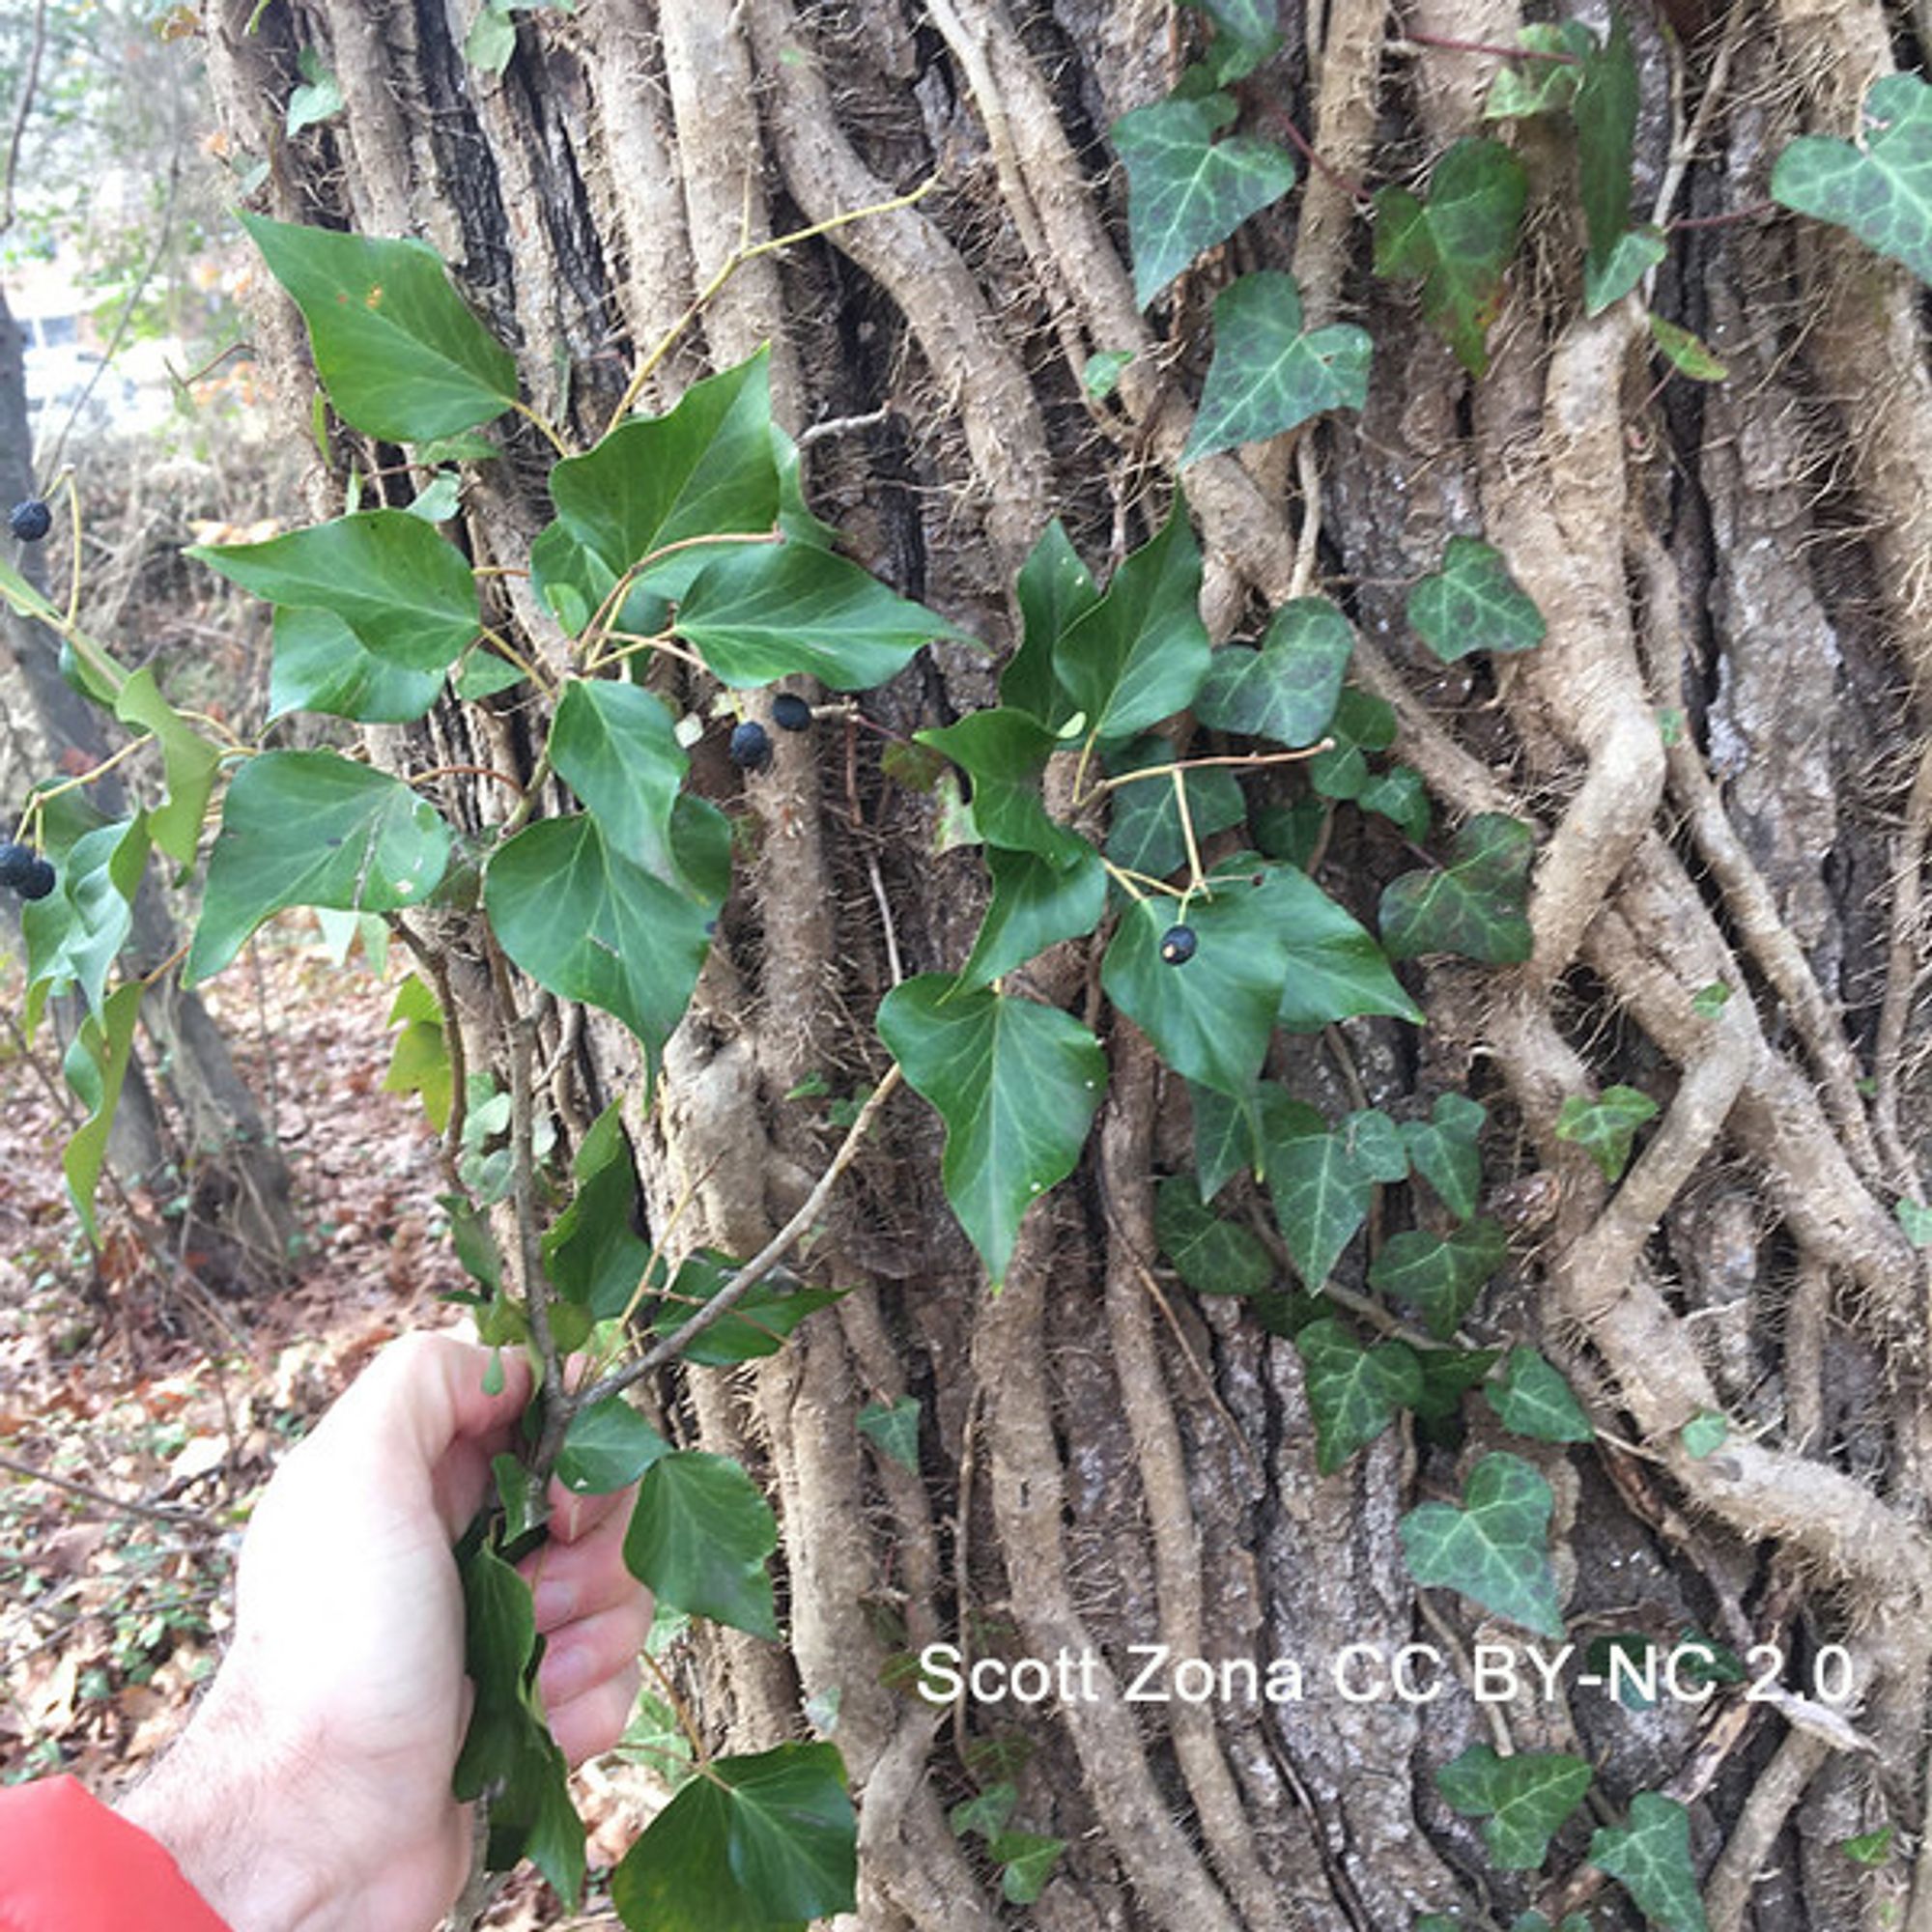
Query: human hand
{"type": "Point", "coordinates": [312, 1789]}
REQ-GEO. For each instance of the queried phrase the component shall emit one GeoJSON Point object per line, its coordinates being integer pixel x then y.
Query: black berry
{"type": "Point", "coordinates": [1177, 944]}
{"type": "Point", "coordinates": [16, 863]}
{"type": "Point", "coordinates": [751, 746]}
{"type": "Point", "coordinates": [31, 520]}
{"type": "Point", "coordinates": [38, 881]}
{"type": "Point", "coordinates": [790, 712]}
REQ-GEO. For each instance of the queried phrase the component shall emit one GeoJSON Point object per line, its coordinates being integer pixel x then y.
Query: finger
{"type": "Point", "coordinates": [574, 1514]}
{"type": "Point", "coordinates": [585, 1653]}
{"type": "Point", "coordinates": [577, 1580]}
{"type": "Point", "coordinates": [594, 1722]}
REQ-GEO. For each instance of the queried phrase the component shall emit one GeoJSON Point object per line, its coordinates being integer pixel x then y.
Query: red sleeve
{"type": "Point", "coordinates": [69, 1865]}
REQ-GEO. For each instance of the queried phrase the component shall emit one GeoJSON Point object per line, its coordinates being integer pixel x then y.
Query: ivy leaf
{"type": "Point", "coordinates": [1211, 1255]}
{"type": "Point", "coordinates": [317, 98]}
{"type": "Point", "coordinates": [1292, 832]}
{"type": "Point", "coordinates": [698, 1538]}
{"type": "Point", "coordinates": [1916, 1219]}
{"type": "Point", "coordinates": [1606, 1127]}
{"type": "Point", "coordinates": [1141, 652]}
{"type": "Point", "coordinates": [1605, 111]}
{"type": "Point", "coordinates": [1524, 1798]}
{"type": "Point", "coordinates": [1375, 1140]}
{"type": "Point", "coordinates": [1186, 191]}
{"type": "Point", "coordinates": [769, 1840]}
{"type": "Point", "coordinates": [1334, 969]}
{"type": "Point", "coordinates": [1473, 604]}
{"type": "Point", "coordinates": [1458, 242]}
{"type": "Point", "coordinates": [189, 760]}
{"type": "Point", "coordinates": [320, 665]}
{"type": "Point", "coordinates": [607, 1447]}
{"type": "Point", "coordinates": [1026, 1862]}
{"type": "Point", "coordinates": [1440, 1274]}
{"type": "Point", "coordinates": [1245, 34]}
{"type": "Point", "coordinates": [1227, 1137]}
{"type": "Point", "coordinates": [1631, 257]}
{"type": "Point", "coordinates": [757, 1322]}
{"type": "Point", "coordinates": [1685, 353]}
{"type": "Point", "coordinates": [1145, 835]}
{"type": "Point", "coordinates": [894, 1427]}
{"type": "Point", "coordinates": [1650, 1858]}
{"type": "Point", "coordinates": [1036, 902]}
{"type": "Point", "coordinates": [615, 747]}
{"type": "Point", "coordinates": [1054, 587]}
{"type": "Point", "coordinates": [1321, 1186]}
{"type": "Point", "coordinates": [1399, 795]}
{"type": "Point", "coordinates": [1869, 1848]}
{"type": "Point", "coordinates": [1354, 1392]}
{"type": "Point", "coordinates": [1004, 751]}
{"type": "Point", "coordinates": [1443, 1150]}
{"type": "Point", "coordinates": [1287, 690]}
{"type": "Point", "coordinates": [592, 1252]}
{"type": "Point", "coordinates": [1704, 1434]}
{"type": "Point", "coordinates": [396, 346]}
{"type": "Point", "coordinates": [1474, 905]}
{"type": "Point", "coordinates": [75, 933]}
{"type": "Point", "coordinates": [1533, 1400]}
{"type": "Point", "coordinates": [1268, 373]}
{"type": "Point", "coordinates": [1494, 1549]}
{"type": "Point", "coordinates": [767, 612]}
{"type": "Point", "coordinates": [591, 924]}
{"type": "Point", "coordinates": [1362, 724]}
{"type": "Point", "coordinates": [1882, 191]}
{"type": "Point", "coordinates": [1540, 86]}
{"type": "Point", "coordinates": [1015, 1083]}
{"type": "Point", "coordinates": [95, 1068]}
{"type": "Point", "coordinates": [311, 829]}
{"type": "Point", "coordinates": [1447, 1376]}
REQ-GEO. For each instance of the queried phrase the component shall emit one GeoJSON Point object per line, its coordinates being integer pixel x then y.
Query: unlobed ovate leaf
{"type": "Point", "coordinates": [1141, 652]}
{"type": "Point", "coordinates": [1333, 968]}
{"type": "Point", "coordinates": [320, 665]}
{"type": "Point", "coordinates": [1227, 1137]}
{"type": "Point", "coordinates": [591, 924]}
{"type": "Point", "coordinates": [616, 748]}
{"type": "Point", "coordinates": [1881, 191]}
{"type": "Point", "coordinates": [699, 1539]}
{"type": "Point", "coordinates": [407, 594]}
{"type": "Point", "coordinates": [1187, 191]}
{"type": "Point", "coordinates": [1035, 903]}
{"type": "Point", "coordinates": [1443, 1150]}
{"type": "Point", "coordinates": [1440, 1274]}
{"type": "Point", "coordinates": [1287, 689]}
{"type": "Point", "coordinates": [1362, 723]}
{"type": "Point", "coordinates": [769, 610]}
{"type": "Point", "coordinates": [769, 1840]}
{"type": "Point", "coordinates": [1540, 86]}
{"type": "Point", "coordinates": [1473, 604]}
{"type": "Point", "coordinates": [1632, 256]}
{"type": "Point", "coordinates": [1685, 353]}
{"type": "Point", "coordinates": [396, 346]}
{"type": "Point", "coordinates": [1321, 1187]}
{"type": "Point", "coordinates": [1650, 1858]}
{"type": "Point", "coordinates": [892, 1428]}
{"type": "Point", "coordinates": [1523, 1800]}
{"type": "Point", "coordinates": [95, 1066]}
{"type": "Point", "coordinates": [1531, 1399]}
{"type": "Point", "coordinates": [1605, 111]}
{"type": "Point", "coordinates": [1213, 1256]}
{"type": "Point", "coordinates": [1495, 1549]}
{"type": "Point", "coordinates": [1146, 834]}
{"type": "Point", "coordinates": [1458, 242]}
{"type": "Point", "coordinates": [312, 829]}
{"type": "Point", "coordinates": [74, 935]}
{"type": "Point", "coordinates": [189, 760]}
{"type": "Point", "coordinates": [1269, 372]}
{"type": "Point", "coordinates": [592, 1252]}
{"type": "Point", "coordinates": [607, 1447]}
{"type": "Point", "coordinates": [1016, 1083]}
{"type": "Point", "coordinates": [1354, 1393]}
{"type": "Point", "coordinates": [1054, 587]}
{"type": "Point", "coordinates": [1474, 905]}
{"type": "Point", "coordinates": [757, 1322]}
{"type": "Point", "coordinates": [1004, 751]}
{"type": "Point", "coordinates": [1606, 1127]}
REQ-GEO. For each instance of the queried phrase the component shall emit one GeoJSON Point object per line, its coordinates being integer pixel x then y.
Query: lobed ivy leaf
{"type": "Point", "coordinates": [74, 935]}
{"type": "Point", "coordinates": [1632, 256]}
{"type": "Point", "coordinates": [1443, 1150]}
{"type": "Point", "coordinates": [1869, 1848]}
{"type": "Point", "coordinates": [593, 1253]}
{"type": "Point", "coordinates": [1036, 902]}
{"type": "Point", "coordinates": [320, 665]}
{"type": "Point", "coordinates": [769, 1840]}
{"type": "Point", "coordinates": [1211, 1255]}
{"type": "Point", "coordinates": [1245, 34]}
{"type": "Point", "coordinates": [1362, 723]}
{"type": "Point", "coordinates": [311, 829]}
{"type": "Point", "coordinates": [1100, 374]}
{"type": "Point", "coordinates": [1448, 1374]}
{"type": "Point", "coordinates": [1650, 1858]}
{"type": "Point", "coordinates": [1473, 604]}
{"type": "Point", "coordinates": [892, 1428]}
{"type": "Point", "coordinates": [318, 97]}
{"type": "Point", "coordinates": [1187, 191]}
{"type": "Point", "coordinates": [1227, 1137]}
{"type": "Point", "coordinates": [397, 348]}
{"type": "Point", "coordinates": [1881, 191]}
{"type": "Point", "coordinates": [1441, 1275]}
{"type": "Point", "coordinates": [1004, 751]}
{"type": "Point", "coordinates": [1145, 834]}
{"type": "Point", "coordinates": [1704, 1434]}
{"type": "Point", "coordinates": [698, 1538]}
{"type": "Point", "coordinates": [1054, 587]}
{"type": "Point", "coordinates": [1287, 689]}
{"type": "Point", "coordinates": [1400, 796]}
{"type": "Point", "coordinates": [1016, 1083]}
{"type": "Point", "coordinates": [1458, 242]}
{"type": "Point", "coordinates": [1375, 1140]}
{"type": "Point", "coordinates": [607, 1448]}
{"type": "Point", "coordinates": [1531, 1399]}
{"type": "Point", "coordinates": [1916, 1219]}
{"type": "Point", "coordinates": [616, 748]}
{"type": "Point", "coordinates": [1026, 1861]}
{"type": "Point", "coordinates": [1494, 1549]}
{"type": "Point", "coordinates": [1354, 1393]}
{"type": "Point", "coordinates": [1534, 86]}
{"type": "Point", "coordinates": [1473, 905]}
{"type": "Point", "coordinates": [1606, 1127]}
{"type": "Point", "coordinates": [1321, 1187]}
{"type": "Point", "coordinates": [1270, 373]}
{"type": "Point", "coordinates": [1292, 832]}
{"type": "Point", "coordinates": [1524, 1800]}
{"type": "Point", "coordinates": [757, 1321]}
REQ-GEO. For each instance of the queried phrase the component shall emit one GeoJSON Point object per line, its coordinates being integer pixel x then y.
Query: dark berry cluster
{"type": "Point", "coordinates": [30, 521]}
{"type": "Point", "coordinates": [24, 871]}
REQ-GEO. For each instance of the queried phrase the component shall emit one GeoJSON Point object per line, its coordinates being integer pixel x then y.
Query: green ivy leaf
{"type": "Point", "coordinates": [759, 1320]}
{"type": "Point", "coordinates": [1473, 604]}
{"type": "Point", "coordinates": [1141, 652]}
{"type": "Point", "coordinates": [1708, 1002]}
{"type": "Point", "coordinates": [95, 1066]}
{"type": "Point", "coordinates": [616, 746]}
{"type": "Point", "coordinates": [1869, 1848]}
{"type": "Point", "coordinates": [508, 1748]}
{"type": "Point", "coordinates": [1650, 1858]}
{"type": "Point", "coordinates": [591, 924]}
{"type": "Point", "coordinates": [1334, 969]}
{"type": "Point", "coordinates": [592, 1251]}
{"type": "Point", "coordinates": [1605, 111]}
{"type": "Point", "coordinates": [769, 1840]}
{"type": "Point", "coordinates": [1100, 374]}
{"type": "Point", "coordinates": [1606, 1127]}
{"type": "Point", "coordinates": [419, 1061]}
{"type": "Point", "coordinates": [1443, 1149]}
{"type": "Point", "coordinates": [1188, 192]}
{"type": "Point", "coordinates": [1399, 795]}
{"type": "Point", "coordinates": [189, 760]}
{"type": "Point", "coordinates": [607, 1447]}
{"type": "Point", "coordinates": [1015, 1083]}
{"type": "Point", "coordinates": [320, 665]}
{"type": "Point", "coordinates": [1704, 1434]}
{"type": "Point", "coordinates": [1211, 1255]}
{"type": "Point", "coordinates": [1533, 1400]}
{"type": "Point", "coordinates": [1882, 191]}
{"type": "Point", "coordinates": [1004, 751]}
{"type": "Point", "coordinates": [1245, 34]}
{"type": "Point", "coordinates": [1685, 353]}
{"type": "Point", "coordinates": [1362, 724]}
{"type": "Point", "coordinates": [407, 594]}
{"type": "Point", "coordinates": [1354, 1392]}
{"type": "Point", "coordinates": [1473, 905]}
{"type": "Point", "coordinates": [1287, 691]}
{"type": "Point", "coordinates": [316, 98]}
{"type": "Point", "coordinates": [1054, 588]}
{"type": "Point", "coordinates": [1631, 257]}
{"type": "Point", "coordinates": [1026, 1864]}
{"type": "Point", "coordinates": [1458, 242]}
{"type": "Point", "coordinates": [699, 1539]}
{"type": "Point", "coordinates": [1321, 1188]}
{"type": "Point", "coordinates": [1227, 1137]}
{"type": "Point", "coordinates": [311, 829]}
{"type": "Point", "coordinates": [491, 41]}
{"type": "Point", "coordinates": [1448, 1374]}
{"type": "Point", "coordinates": [1269, 372]}
{"type": "Point", "coordinates": [75, 933]}
{"type": "Point", "coordinates": [1440, 1274]}
{"type": "Point", "coordinates": [1524, 1800]}
{"type": "Point", "coordinates": [1145, 835]}
{"type": "Point", "coordinates": [1540, 86]}
{"type": "Point", "coordinates": [397, 348]}
{"type": "Point", "coordinates": [1494, 1549]}
{"type": "Point", "coordinates": [1916, 1219]}
{"type": "Point", "coordinates": [1292, 832]}
{"type": "Point", "coordinates": [1036, 902]}
{"type": "Point", "coordinates": [894, 1427]}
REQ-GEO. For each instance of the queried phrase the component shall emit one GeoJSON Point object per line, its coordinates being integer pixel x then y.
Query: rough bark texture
{"type": "Point", "coordinates": [1107, 1459]}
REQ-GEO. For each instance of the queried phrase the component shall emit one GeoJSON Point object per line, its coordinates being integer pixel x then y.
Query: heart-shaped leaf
{"type": "Point", "coordinates": [1531, 1399]}
{"type": "Point", "coordinates": [1321, 1188]}
{"type": "Point", "coordinates": [1606, 1127]}
{"type": "Point", "coordinates": [592, 1252]}
{"type": "Point", "coordinates": [1473, 604]}
{"type": "Point", "coordinates": [1495, 1549]}
{"type": "Point", "coordinates": [320, 665]}
{"type": "Point", "coordinates": [1440, 1274]}
{"type": "Point", "coordinates": [607, 1447]}
{"type": "Point", "coordinates": [1354, 1392]}
{"type": "Point", "coordinates": [1523, 1799]}
{"type": "Point", "coordinates": [893, 1427]}
{"type": "Point", "coordinates": [616, 748]}
{"type": "Point", "coordinates": [1211, 1255]}
{"type": "Point", "coordinates": [1650, 1858]}
{"type": "Point", "coordinates": [699, 1539]}
{"type": "Point", "coordinates": [1473, 905]}
{"type": "Point", "coordinates": [1881, 191]}
{"type": "Point", "coordinates": [1287, 691]}
{"type": "Point", "coordinates": [1443, 1150]}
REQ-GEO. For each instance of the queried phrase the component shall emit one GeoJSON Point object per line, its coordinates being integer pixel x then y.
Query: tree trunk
{"type": "Point", "coordinates": [1108, 1459]}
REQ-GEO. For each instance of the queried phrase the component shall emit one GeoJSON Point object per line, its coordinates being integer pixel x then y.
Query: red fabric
{"type": "Point", "coordinates": [69, 1865]}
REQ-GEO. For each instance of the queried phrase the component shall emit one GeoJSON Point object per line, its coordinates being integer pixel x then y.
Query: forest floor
{"type": "Point", "coordinates": [141, 1415]}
